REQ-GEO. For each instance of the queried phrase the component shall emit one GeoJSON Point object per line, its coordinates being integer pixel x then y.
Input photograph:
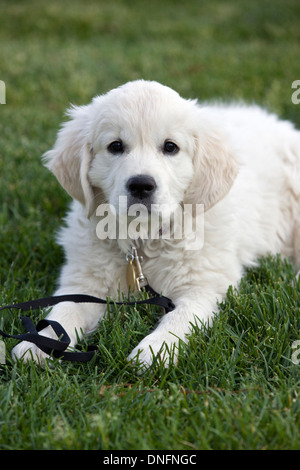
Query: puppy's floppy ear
{"type": "Point", "coordinates": [215, 169]}
{"type": "Point", "coordinates": [71, 157]}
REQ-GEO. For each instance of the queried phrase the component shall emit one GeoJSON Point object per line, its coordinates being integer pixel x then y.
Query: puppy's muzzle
{"type": "Point", "coordinates": [141, 189]}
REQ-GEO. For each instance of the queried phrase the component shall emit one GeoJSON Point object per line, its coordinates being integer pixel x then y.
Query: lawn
{"type": "Point", "coordinates": [235, 385]}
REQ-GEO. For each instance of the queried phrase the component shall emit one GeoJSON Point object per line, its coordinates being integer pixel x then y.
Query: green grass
{"type": "Point", "coordinates": [235, 385]}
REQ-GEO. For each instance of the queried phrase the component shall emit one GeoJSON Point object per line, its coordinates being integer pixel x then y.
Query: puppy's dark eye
{"type": "Point", "coordinates": [170, 148]}
{"type": "Point", "coordinates": [116, 147]}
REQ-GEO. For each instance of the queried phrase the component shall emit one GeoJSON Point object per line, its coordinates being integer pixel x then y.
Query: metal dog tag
{"type": "Point", "coordinates": [131, 277]}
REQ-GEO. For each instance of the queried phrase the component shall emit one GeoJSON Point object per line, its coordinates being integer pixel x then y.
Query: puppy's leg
{"type": "Point", "coordinates": [173, 327]}
{"type": "Point", "coordinates": [76, 319]}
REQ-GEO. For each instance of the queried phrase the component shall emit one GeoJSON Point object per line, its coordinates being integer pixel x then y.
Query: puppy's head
{"type": "Point", "coordinates": [145, 142]}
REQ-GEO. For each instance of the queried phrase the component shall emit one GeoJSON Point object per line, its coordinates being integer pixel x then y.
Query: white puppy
{"type": "Point", "coordinates": [144, 142]}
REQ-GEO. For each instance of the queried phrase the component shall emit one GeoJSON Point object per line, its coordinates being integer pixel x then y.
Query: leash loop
{"type": "Point", "coordinates": [57, 348]}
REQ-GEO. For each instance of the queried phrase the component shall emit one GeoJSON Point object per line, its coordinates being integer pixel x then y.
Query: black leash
{"type": "Point", "coordinates": [57, 348]}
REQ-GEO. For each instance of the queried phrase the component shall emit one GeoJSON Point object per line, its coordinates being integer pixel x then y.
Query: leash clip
{"type": "Point", "coordinates": [135, 277]}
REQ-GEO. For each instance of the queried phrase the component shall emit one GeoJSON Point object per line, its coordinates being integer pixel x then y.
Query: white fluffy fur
{"type": "Point", "coordinates": [241, 162]}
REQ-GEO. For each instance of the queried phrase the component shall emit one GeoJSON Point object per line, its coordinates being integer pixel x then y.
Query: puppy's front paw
{"type": "Point", "coordinates": [155, 347]}
{"type": "Point", "coordinates": [26, 351]}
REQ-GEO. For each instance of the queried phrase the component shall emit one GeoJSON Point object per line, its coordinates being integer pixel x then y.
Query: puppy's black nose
{"type": "Point", "coordinates": [141, 186]}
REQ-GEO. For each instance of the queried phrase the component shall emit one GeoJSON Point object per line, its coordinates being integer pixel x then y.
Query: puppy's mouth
{"type": "Point", "coordinates": [142, 205]}
{"type": "Point", "coordinates": [135, 221]}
